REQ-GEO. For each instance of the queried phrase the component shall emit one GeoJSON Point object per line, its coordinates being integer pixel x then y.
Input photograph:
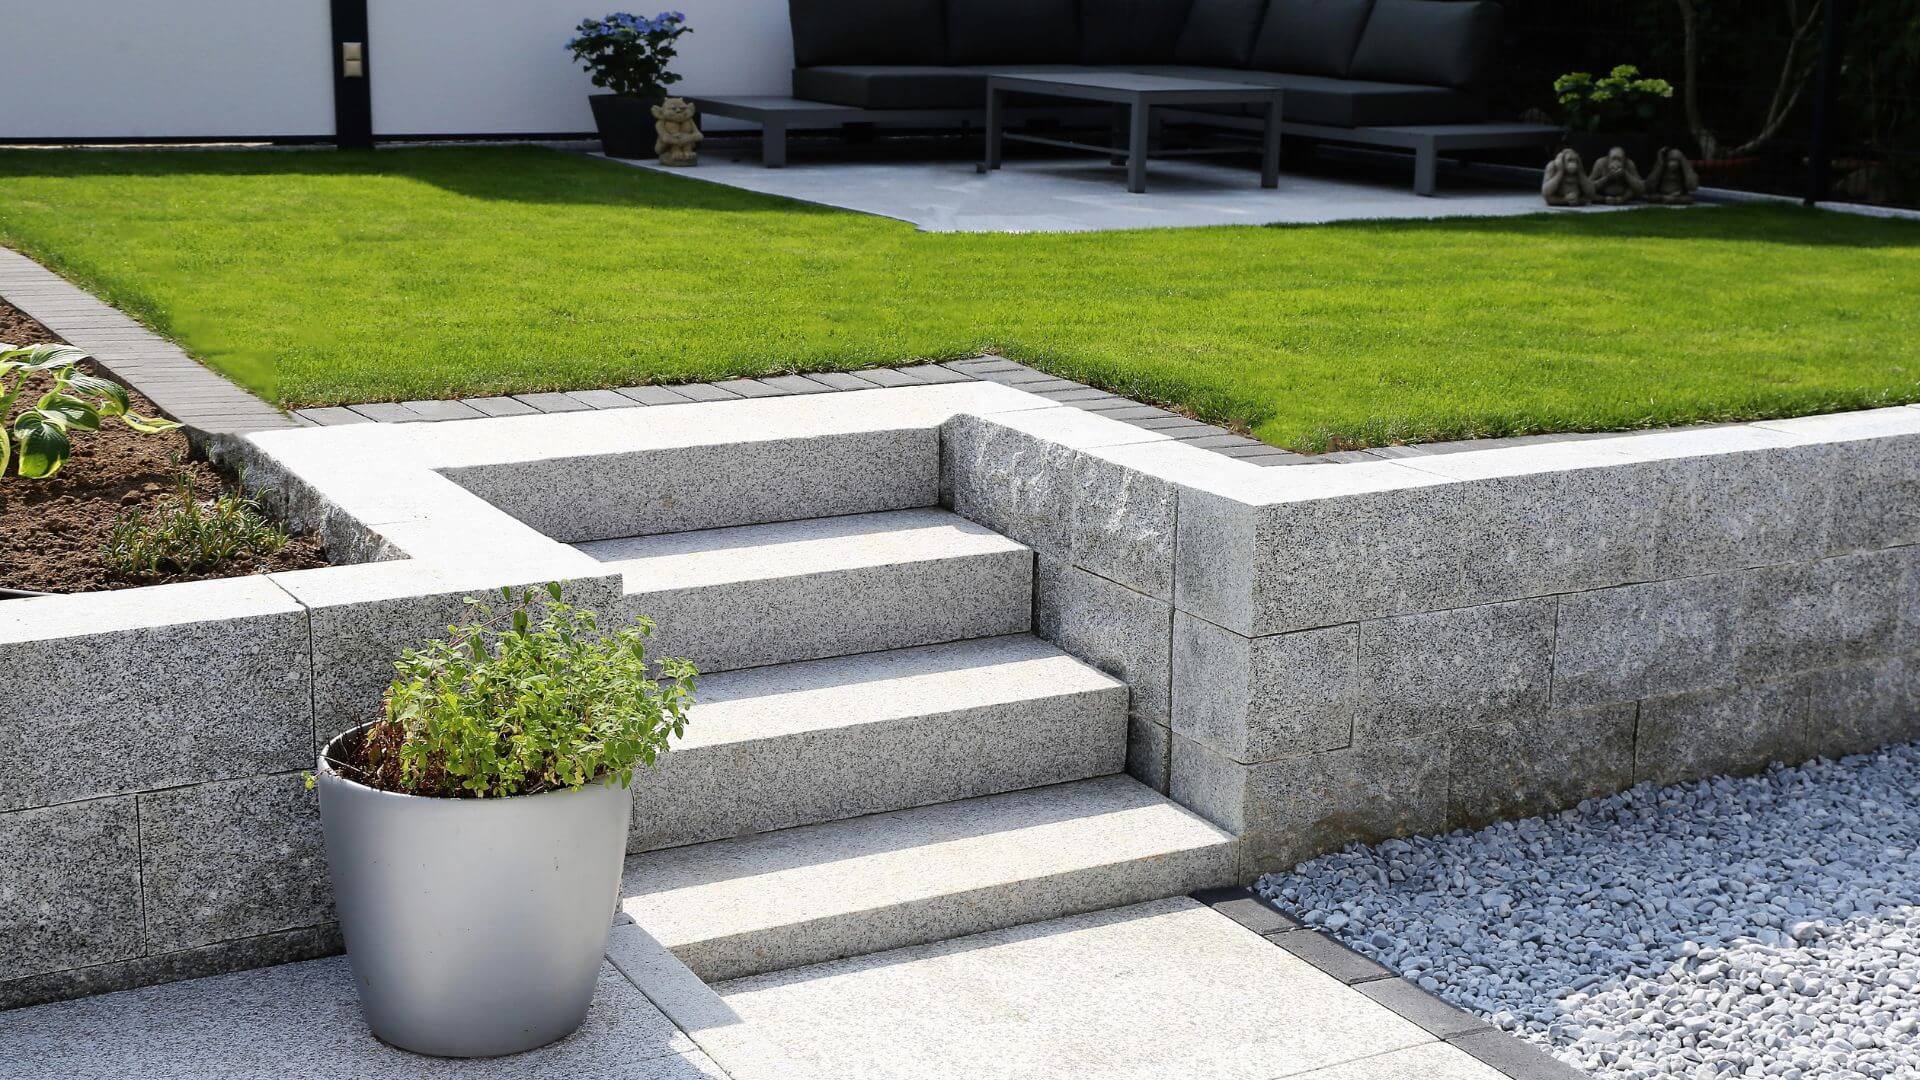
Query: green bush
{"type": "Point", "coordinates": [529, 698]}
{"type": "Point", "coordinates": [1620, 100]}
{"type": "Point", "coordinates": [188, 534]}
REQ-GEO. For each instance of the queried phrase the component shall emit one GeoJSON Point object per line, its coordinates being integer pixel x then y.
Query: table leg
{"type": "Point", "coordinates": [993, 128]}
{"type": "Point", "coordinates": [1426, 166]}
{"type": "Point", "coordinates": [1137, 148]}
{"type": "Point", "coordinates": [773, 143]}
{"type": "Point", "coordinates": [1270, 146]}
{"type": "Point", "coordinates": [1116, 132]}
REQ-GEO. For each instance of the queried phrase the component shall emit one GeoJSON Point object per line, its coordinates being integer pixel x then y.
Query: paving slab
{"type": "Point", "coordinates": [1161, 989]}
{"type": "Point", "coordinates": [302, 1022]}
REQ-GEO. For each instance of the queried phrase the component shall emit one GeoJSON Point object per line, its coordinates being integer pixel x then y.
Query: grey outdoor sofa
{"type": "Point", "coordinates": [1403, 73]}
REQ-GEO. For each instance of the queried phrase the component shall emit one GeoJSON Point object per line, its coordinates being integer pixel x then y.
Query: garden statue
{"type": "Point", "coordinates": [1615, 181]}
{"type": "Point", "coordinates": [1565, 183]}
{"type": "Point", "coordinates": [1672, 180]}
{"type": "Point", "coordinates": [678, 137]}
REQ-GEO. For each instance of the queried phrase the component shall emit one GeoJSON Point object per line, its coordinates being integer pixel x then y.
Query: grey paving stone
{"type": "Point", "coordinates": [842, 380]}
{"type": "Point", "coordinates": [705, 392]}
{"type": "Point", "coordinates": [1434, 1016]}
{"type": "Point", "coordinates": [1734, 730]}
{"type": "Point", "coordinates": [682, 488]}
{"type": "Point", "coordinates": [72, 887]}
{"type": "Point", "coordinates": [333, 415]}
{"type": "Point", "coordinates": [1048, 383]}
{"type": "Point", "coordinates": [1077, 393]}
{"type": "Point", "coordinates": [1226, 441]}
{"type": "Point", "coordinates": [1174, 422]}
{"type": "Point", "coordinates": [499, 406]}
{"type": "Point", "coordinates": [1122, 525]}
{"type": "Point", "coordinates": [232, 859]}
{"type": "Point", "coordinates": [1103, 405]}
{"type": "Point", "coordinates": [1263, 698]}
{"type": "Point", "coordinates": [386, 412]}
{"type": "Point", "coordinates": [1518, 1060]}
{"type": "Point", "coordinates": [984, 363]}
{"type": "Point", "coordinates": [1329, 956]}
{"type": "Point", "coordinates": [303, 1020]}
{"type": "Point", "coordinates": [889, 377]}
{"type": "Point", "coordinates": [1538, 765]}
{"type": "Point", "coordinates": [751, 388]}
{"type": "Point", "coordinates": [1141, 412]}
{"type": "Point", "coordinates": [934, 373]}
{"type": "Point", "coordinates": [602, 399]}
{"type": "Point", "coordinates": [1244, 906]}
{"type": "Point", "coordinates": [1446, 669]}
{"type": "Point", "coordinates": [1122, 632]}
{"type": "Point", "coordinates": [552, 402]}
{"type": "Point", "coordinates": [245, 708]}
{"type": "Point", "coordinates": [1266, 461]}
{"type": "Point", "coordinates": [654, 395]}
{"type": "Point", "coordinates": [796, 384]}
{"type": "Point", "coordinates": [444, 410]}
{"type": "Point", "coordinates": [1014, 376]}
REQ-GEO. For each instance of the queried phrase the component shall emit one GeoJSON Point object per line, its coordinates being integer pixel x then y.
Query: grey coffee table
{"type": "Point", "coordinates": [1136, 95]}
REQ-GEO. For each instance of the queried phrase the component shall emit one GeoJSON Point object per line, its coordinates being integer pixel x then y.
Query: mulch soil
{"type": "Point", "coordinates": [53, 532]}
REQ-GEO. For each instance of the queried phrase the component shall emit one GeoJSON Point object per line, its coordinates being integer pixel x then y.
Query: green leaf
{"type": "Point", "coordinates": [74, 412]}
{"type": "Point", "coordinates": [49, 356]}
{"type": "Point", "coordinates": [115, 400]}
{"type": "Point", "coordinates": [145, 426]}
{"type": "Point", "coordinates": [44, 445]}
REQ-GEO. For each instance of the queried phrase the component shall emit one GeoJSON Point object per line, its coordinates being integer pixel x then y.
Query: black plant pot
{"type": "Point", "coordinates": [625, 123]}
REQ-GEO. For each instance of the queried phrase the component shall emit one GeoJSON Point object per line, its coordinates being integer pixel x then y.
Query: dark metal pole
{"type": "Point", "coordinates": [352, 97]}
{"type": "Point", "coordinates": [1820, 152]}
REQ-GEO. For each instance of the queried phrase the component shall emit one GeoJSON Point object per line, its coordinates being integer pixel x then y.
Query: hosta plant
{"type": "Point", "coordinates": [529, 696]}
{"type": "Point", "coordinates": [40, 439]}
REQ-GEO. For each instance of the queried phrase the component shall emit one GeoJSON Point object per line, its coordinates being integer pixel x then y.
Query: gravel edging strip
{"type": "Point", "coordinates": [179, 386]}
{"type": "Point", "coordinates": [1512, 1056]}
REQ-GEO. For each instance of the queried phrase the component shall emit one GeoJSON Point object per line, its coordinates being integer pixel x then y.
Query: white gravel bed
{"type": "Point", "coordinates": [1761, 927]}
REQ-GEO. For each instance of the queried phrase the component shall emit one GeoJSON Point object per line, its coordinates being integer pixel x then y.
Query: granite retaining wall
{"type": "Point", "coordinates": [1329, 654]}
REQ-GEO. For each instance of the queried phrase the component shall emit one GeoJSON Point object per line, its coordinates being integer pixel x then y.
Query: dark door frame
{"type": "Point", "coordinates": [352, 92]}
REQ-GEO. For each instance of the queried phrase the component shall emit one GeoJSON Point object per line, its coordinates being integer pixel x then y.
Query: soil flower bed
{"type": "Point", "coordinates": [54, 533]}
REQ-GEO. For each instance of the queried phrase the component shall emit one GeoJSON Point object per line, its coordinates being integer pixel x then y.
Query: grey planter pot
{"type": "Point", "coordinates": [475, 927]}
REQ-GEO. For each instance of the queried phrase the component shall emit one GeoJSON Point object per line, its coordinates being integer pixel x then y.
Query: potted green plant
{"type": "Point", "coordinates": [1621, 108]}
{"type": "Point", "coordinates": [475, 830]}
{"type": "Point", "coordinates": [628, 56]}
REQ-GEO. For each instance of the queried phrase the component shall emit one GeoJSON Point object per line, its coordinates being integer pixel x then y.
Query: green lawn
{"type": "Point", "coordinates": [321, 277]}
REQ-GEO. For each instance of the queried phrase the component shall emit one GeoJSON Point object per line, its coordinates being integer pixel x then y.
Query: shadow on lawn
{"type": "Point", "coordinates": [1761, 223]}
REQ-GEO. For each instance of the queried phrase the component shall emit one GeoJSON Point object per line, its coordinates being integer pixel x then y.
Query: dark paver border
{"type": "Point", "coordinates": [177, 384]}
{"type": "Point", "coordinates": [1510, 1055]}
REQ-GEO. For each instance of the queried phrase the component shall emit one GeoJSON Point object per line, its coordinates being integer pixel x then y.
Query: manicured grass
{"type": "Point", "coordinates": [320, 277]}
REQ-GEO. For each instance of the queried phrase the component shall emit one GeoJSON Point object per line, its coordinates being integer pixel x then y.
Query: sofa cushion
{"type": "Point", "coordinates": [1318, 99]}
{"type": "Point", "coordinates": [1219, 32]}
{"type": "Point", "coordinates": [884, 86]}
{"type": "Point", "coordinates": [1013, 32]}
{"type": "Point", "coordinates": [868, 31]}
{"type": "Point", "coordinates": [1438, 42]}
{"type": "Point", "coordinates": [1130, 31]}
{"type": "Point", "coordinates": [1310, 37]}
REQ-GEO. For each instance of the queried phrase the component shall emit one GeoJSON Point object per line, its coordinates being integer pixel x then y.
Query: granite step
{"type": "Point", "coordinates": [754, 595]}
{"type": "Point", "coordinates": [732, 908]}
{"type": "Point", "coordinates": [821, 740]}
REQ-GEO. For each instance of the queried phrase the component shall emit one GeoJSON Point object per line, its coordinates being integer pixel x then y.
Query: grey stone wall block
{"type": "Point", "coordinates": [232, 859]}
{"type": "Point", "coordinates": [1013, 482]}
{"type": "Point", "coordinates": [681, 488]}
{"type": "Point", "coordinates": [1538, 765]}
{"type": "Point", "coordinates": [1216, 547]}
{"type": "Point", "coordinates": [1123, 525]}
{"type": "Point", "coordinates": [1447, 669]}
{"type": "Point", "coordinates": [1124, 633]}
{"type": "Point", "coordinates": [1149, 753]}
{"type": "Point", "coordinates": [1638, 640]}
{"type": "Point", "coordinates": [69, 887]}
{"type": "Point", "coordinates": [1295, 808]}
{"type": "Point", "coordinates": [266, 950]}
{"type": "Point", "coordinates": [1874, 492]}
{"type": "Point", "coordinates": [171, 699]}
{"type": "Point", "coordinates": [1755, 508]}
{"type": "Point", "coordinates": [1861, 707]}
{"type": "Point", "coordinates": [1822, 613]}
{"type": "Point", "coordinates": [1733, 730]}
{"type": "Point", "coordinates": [1253, 699]}
{"type": "Point", "coordinates": [1565, 531]}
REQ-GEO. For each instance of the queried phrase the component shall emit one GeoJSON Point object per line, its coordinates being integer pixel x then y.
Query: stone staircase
{"type": "Point", "coordinates": [882, 753]}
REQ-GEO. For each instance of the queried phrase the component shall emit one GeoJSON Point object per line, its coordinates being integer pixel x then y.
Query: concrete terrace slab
{"type": "Point", "coordinates": [1169, 988]}
{"type": "Point", "coordinates": [1085, 195]}
{"type": "Point", "coordinates": [301, 1021]}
